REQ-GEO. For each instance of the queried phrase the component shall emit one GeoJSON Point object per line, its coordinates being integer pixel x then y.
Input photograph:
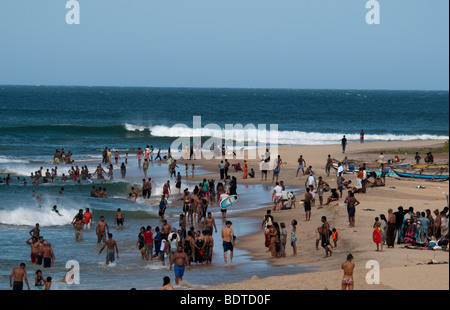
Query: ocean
{"type": "Point", "coordinates": [37, 120]}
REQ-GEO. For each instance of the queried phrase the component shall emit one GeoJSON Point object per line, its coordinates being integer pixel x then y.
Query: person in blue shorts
{"type": "Point", "coordinates": [180, 260]}
{"type": "Point", "coordinates": [228, 240]}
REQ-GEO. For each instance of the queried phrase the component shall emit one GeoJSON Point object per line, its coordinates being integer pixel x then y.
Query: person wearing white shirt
{"type": "Point", "coordinates": [276, 195]}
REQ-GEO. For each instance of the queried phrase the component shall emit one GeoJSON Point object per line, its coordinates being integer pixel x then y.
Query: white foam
{"type": "Point", "coordinates": [254, 134]}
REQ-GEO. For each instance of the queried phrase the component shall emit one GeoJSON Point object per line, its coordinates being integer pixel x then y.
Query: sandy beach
{"type": "Point", "coordinates": [401, 268]}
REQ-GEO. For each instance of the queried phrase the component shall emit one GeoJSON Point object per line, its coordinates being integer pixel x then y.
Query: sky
{"type": "Point", "coordinates": [301, 44]}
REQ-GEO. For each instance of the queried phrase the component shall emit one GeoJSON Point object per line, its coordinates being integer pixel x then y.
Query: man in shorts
{"type": "Point", "coordinates": [111, 244]}
{"type": "Point", "coordinates": [301, 164]}
{"type": "Point", "coordinates": [101, 230]}
{"type": "Point", "coordinates": [307, 204]}
{"type": "Point", "coordinates": [19, 274]}
{"type": "Point", "coordinates": [180, 260]}
{"type": "Point", "coordinates": [228, 238]}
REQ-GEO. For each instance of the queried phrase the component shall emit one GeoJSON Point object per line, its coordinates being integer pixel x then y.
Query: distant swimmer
{"type": "Point", "coordinates": [54, 209]}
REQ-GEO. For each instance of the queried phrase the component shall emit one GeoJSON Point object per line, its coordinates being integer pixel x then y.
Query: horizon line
{"type": "Point", "coordinates": [219, 87]}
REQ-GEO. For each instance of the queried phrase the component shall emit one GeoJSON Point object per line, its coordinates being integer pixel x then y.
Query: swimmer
{"type": "Point", "coordinates": [54, 209]}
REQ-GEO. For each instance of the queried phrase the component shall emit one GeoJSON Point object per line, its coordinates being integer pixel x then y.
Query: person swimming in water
{"type": "Point", "coordinates": [54, 209]}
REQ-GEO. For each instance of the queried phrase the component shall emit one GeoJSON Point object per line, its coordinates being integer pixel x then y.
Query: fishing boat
{"type": "Point", "coordinates": [440, 175]}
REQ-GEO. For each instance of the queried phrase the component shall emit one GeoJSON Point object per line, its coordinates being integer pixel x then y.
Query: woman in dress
{"type": "Point", "coordinates": [189, 246]}
{"type": "Point", "coordinates": [209, 245]}
{"type": "Point", "coordinates": [199, 248]}
{"type": "Point", "coordinates": [245, 167]}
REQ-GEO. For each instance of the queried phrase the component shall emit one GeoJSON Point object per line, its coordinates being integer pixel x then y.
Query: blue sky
{"type": "Point", "coordinates": [226, 43]}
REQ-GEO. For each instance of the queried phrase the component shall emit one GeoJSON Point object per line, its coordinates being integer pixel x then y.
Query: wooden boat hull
{"type": "Point", "coordinates": [421, 176]}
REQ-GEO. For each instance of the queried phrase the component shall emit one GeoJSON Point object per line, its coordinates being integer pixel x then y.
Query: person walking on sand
{"type": "Point", "coordinates": [228, 238]}
{"type": "Point", "coordinates": [348, 267]}
{"type": "Point", "coordinates": [111, 245]}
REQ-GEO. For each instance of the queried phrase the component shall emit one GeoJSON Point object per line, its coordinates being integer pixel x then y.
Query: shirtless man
{"type": "Point", "coordinates": [348, 266]}
{"type": "Point", "coordinates": [301, 164]}
{"type": "Point", "coordinates": [119, 218]}
{"type": "Point", "coordinates": [180, 260]}
{"type": "Point", "coordinates": [40, 251]}
{"type": "Point", "coordinates": [321, 187]}
{"type": "Point", "coordinates": [48, 255]}
{"type": "Point", "coordinates": [328, 165]}
{"type": "Point", "coordinates": [101, 230]}
{"type": "Point", "coordinates": [351, 202]}
{"type": "Point", "coordinates": [19, 274]}
{"type": "Point", "coordinates": [35, 231]}
{"type": "Point", "coordinates": [111, 245]}
{"type": "Point", "coordinates": [99, 172]}
{"type": "Point", "coordinates": [209, 223]}
{"type": "Point", "coordinates": [34, 244]}
{"type": "Point", "coordinates": [78, 225]}
{"type": "Point", "coordinates": [307, 204]}
{"type": "Point", "coordinates": [166, 189]}
{"type": "Point", "coordinates": [325, 237]}
{"type": "Point", "coordinates": [228, 241]}
{"type": "Point", "coordinates": [165, 230]}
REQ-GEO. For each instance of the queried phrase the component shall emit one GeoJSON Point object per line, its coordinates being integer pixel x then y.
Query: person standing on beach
{"type": "Point", "coordinates": [399, 219]}
{"type": "Point", "coordinates": [325, 237]}
{"type": "Point", "coordinates": [276, 196]}
{"type": "Point", "coordinates": [307, 204]}
{"type": "Point", "coordinates": [294, 237]}
{"type": "Point", "coordinates": [20, 275]}
{"type": "Point", "coordinates": [328, 165]}
{"type": "Point", "coordinates": [228, 238]}
{"type": "Point", "coordinates": [361, 136]}
{"type": "Point", "coordinates": [344, 143]}
{"type": "Point", "coordinates": [301, 164]}
{"type": "Point", "coordinates": [111, 244]}
{"type": "Point", "coordinates": [348, 267]}
{"type": "Point", "coordinates": [351, 202]}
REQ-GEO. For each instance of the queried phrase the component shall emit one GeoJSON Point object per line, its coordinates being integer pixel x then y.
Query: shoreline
{"type": "Point", "coordinates": [399, 266]}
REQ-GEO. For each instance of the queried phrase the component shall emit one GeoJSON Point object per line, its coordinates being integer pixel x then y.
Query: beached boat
{"type": "Point", "coordinates": [441, 175]}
